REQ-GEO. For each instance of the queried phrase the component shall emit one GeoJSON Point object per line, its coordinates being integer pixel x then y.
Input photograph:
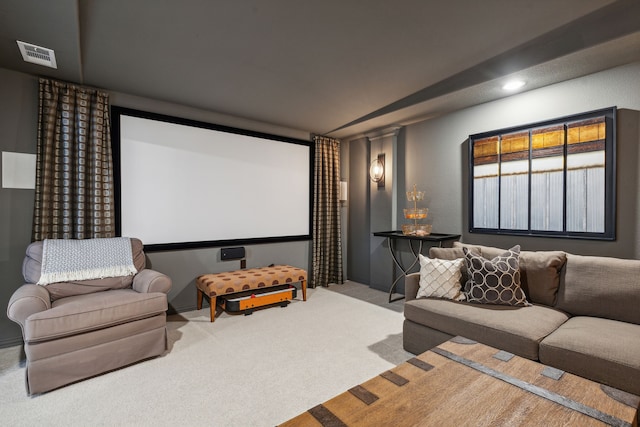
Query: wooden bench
{"type": "Point", "coordinates": [216, 284]}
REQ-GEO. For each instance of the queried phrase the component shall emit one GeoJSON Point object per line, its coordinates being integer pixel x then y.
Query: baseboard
{"type": "Point", "coordinates": [10, 342]}
{"type": "Point", "coordinates": [181, 309]}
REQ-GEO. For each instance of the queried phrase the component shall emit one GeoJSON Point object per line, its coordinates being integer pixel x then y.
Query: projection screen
{"type": "Point", "coordinates": [182, 183]}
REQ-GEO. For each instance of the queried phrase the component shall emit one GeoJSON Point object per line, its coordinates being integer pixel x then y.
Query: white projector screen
{"type": "Point", "coordinates": [186, 184]}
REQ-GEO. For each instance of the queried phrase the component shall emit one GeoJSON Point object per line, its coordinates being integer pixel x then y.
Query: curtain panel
{"type": "Point", "coordinates": [327, 241]}
{"type": "Point", "coordinates": [74, 169]}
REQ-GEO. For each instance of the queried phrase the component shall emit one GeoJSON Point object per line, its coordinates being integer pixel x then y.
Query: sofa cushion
{"type": "Point", "coordinates": [601, 287]}
{"type": "Point", "coordinates": [540, 271]}
{"type": "Point", "coordinates": [602, 350]}
{"type": "Point", "coordinates": [477, 249]}
{"type": "Point", "coordinates": [32, 266]}
{"type": "Point", "coordinates": [440, 278]}
{"type": "Point", "coordinates": [451, 254]}
{"type": "Point", "coordinates": [540, 275]}
{"type": "Point", "coordinates": [515, 329]}
{"type": "Point", "coordinates": [495, 281]}
{"type": "Point", "coordinates": [51, 348]}
{"type": "Point", "coordinates": [84, 313]}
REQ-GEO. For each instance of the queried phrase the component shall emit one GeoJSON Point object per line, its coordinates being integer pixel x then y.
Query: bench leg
{"type": "Point", "coordinates": [199, 298]}
{"type": "Point", "coordinates": [212, 308]}
{"type": "Point", "coordinates": [303, 285]}
{"type": "Point", "coordinates": [212, 303]}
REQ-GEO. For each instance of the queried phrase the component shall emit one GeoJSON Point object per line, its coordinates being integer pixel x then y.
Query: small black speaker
{"type": "Point", "coordinates": [227, 254]}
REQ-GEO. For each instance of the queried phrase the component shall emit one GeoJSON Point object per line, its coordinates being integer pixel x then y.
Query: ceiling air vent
{"type": "Point", "coordinates": [37, 54]}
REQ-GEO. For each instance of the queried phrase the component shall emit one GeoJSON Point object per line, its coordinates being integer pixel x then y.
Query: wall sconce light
{"type": "Point", "coordinates": [343, 191]}
{"type": "Point", "coordinates": [376, 171]}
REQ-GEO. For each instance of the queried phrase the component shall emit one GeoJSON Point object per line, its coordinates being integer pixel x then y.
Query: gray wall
{"type": "Point", "coordinates": [433, 155]}
{"type": "Point", "coordinates": [383, 209]}
{"type": "Point", "coordinates": [372, 208]}
{"type": "Point", "coordinates": [18, 132]}
{"type": "Point", "coordinates": [18, 126]}
{"type": "Point", "coordinates": [436, 156]}
{"type": "Point", "coordinates": [358, 224]}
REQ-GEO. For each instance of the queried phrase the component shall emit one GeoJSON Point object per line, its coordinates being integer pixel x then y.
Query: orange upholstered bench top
{"type": "Point", "coordinates": [243, 280]}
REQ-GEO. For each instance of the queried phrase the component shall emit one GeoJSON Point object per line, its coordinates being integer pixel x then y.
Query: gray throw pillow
{"type": "Point", "coordinates": [495, 281]}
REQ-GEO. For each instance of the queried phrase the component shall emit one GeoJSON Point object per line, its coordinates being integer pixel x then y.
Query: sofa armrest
{"type": "Point", "coordinates": [411, 286]}
{"type": "Point", "coordinates": [149, 280]}
{"type": "Point", "coordinates": [28, 299]}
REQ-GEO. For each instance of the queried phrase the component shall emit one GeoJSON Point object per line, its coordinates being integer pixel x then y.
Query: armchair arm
{"type": "Point", "coordinates": [28, 299]}
{"type": "Point", "coordinates": [411, 286]}
{"type": "Point", "coordinates": [148, 280]}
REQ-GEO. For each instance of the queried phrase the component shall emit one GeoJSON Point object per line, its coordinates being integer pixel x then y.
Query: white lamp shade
{"type": "Point", "coordinates": [343, 191]}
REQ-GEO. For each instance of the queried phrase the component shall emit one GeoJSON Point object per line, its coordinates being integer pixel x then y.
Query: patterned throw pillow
{"type": "Point", "coordinates": [495, 281]}
{"type": "Point", "coordinates": [440, 278]}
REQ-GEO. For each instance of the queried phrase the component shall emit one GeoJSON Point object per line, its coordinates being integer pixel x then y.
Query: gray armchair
{"type": "Point", "coordinates": [76, 330]}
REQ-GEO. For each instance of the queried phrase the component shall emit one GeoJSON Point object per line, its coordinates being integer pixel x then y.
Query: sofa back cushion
{"type": "Point", "coordinates": [447, 253]}
{"type": "Point", "coordinates": [601, 287]}
{"type": "Point", "coordinates": [451, 254]}
{"type": "Point", "coordinates": [539, 271]}
{"type": "Point", "coordinates": [32, 266]}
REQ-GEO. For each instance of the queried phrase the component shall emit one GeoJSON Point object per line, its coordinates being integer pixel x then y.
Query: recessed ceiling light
{"type": "Point", "coordinates": [513, 85]}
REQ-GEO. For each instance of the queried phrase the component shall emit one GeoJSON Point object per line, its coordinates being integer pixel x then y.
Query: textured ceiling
{"type": "Point", "coordinates": [334, 67]}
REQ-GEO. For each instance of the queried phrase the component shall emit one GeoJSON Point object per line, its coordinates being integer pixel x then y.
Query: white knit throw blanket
{"type": "Point", "coordinates": [66, 260]}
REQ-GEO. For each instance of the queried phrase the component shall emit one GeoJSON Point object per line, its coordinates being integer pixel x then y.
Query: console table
{"type": "Point", "coordinates": [393, 236]}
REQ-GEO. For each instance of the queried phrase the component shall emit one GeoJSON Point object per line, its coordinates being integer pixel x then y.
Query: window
{"type": "Point", "coordinates": [555, 178]}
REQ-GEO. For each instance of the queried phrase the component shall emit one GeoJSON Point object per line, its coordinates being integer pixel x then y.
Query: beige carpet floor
{"type": "Point", "coordinates": [257, 370]}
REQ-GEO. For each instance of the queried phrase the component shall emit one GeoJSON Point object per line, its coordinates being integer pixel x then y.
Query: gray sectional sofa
{"type": "Point", "coordinates": [584, 316]}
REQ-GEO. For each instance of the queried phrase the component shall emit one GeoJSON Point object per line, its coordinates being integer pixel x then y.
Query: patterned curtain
{"type": "Point", "coordinates": [327, 244]}
{"type": "Point", "coordinates": [74, 172]}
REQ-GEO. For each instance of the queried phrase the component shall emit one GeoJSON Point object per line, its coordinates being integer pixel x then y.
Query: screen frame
{"type": "Point", "coordinates": [117, 112]}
